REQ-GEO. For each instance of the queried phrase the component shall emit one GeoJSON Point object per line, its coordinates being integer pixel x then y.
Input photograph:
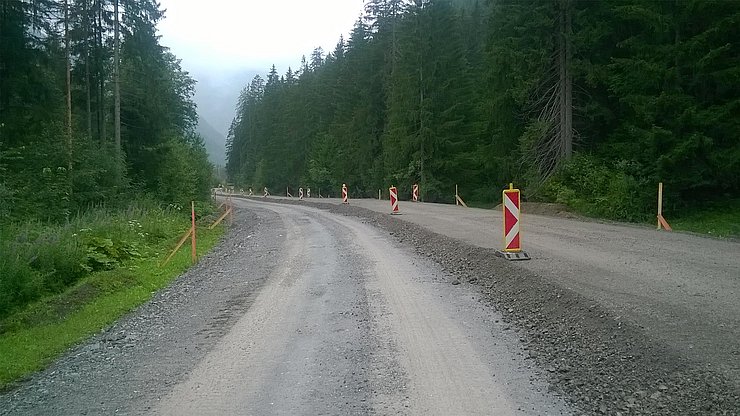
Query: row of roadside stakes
{"type": "Point", "coordinates": [392, 191]}
{"type": "Point", "coordinates": [228, 210]}
{"type": "Point", "coordinates": [511, 207]}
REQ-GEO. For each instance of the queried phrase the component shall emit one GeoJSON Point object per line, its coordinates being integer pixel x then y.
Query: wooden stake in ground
{"type": "Point", "coordinates": [221, 218]}
{"type": "Point", "coordinates": [192, 231]}
{"type": "Point", "coordinates": [458, 200]}
{"type": "Point", "coordinates": [177, 247]}
{"type": "Point", "coordinates": [661, 221]}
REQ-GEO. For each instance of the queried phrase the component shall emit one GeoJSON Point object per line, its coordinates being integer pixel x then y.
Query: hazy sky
{"type": "Point", "coordinates": [227, 35]}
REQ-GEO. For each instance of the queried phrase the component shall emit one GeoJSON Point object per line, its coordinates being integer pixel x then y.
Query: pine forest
{"type": "Point", "coordinates": [99, 159]}
{"type": "Point", "coordinates": [93, 109]}
{"type": "Point", "coordinates": [585, 103]}
{"type": "Point", "coordinates": [589, 104]}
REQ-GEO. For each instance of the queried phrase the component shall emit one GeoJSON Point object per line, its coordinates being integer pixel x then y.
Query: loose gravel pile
{"type": "Point", "coordinates": [601, 364]}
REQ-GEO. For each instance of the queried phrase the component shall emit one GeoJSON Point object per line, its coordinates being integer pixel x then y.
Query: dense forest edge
{"type": "Point", "coordinates": [99, 161]}
{"type": "Point", "coordinates": [585, 103]}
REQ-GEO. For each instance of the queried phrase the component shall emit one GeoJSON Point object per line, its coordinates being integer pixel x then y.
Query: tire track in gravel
{"type": "Point", "coordinates": [600, 362]}
{"type": "Point", "coordinates": [302, 347]}
{"type": "Point", "coordinates": [447, 373]}
{"type": "Point", "coordinates": [424, 351]}
{"type": "Point", "coordinates": [298, 312]}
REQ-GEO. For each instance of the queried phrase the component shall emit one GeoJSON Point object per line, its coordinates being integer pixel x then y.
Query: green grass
{"type": "Point", "coordinates": [32, 337]}
{"type": "Point", "coordinates": [718, 221]}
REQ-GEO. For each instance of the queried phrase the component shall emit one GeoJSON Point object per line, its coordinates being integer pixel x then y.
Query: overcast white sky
{"type": "Point", "coordinates": [226, 35]}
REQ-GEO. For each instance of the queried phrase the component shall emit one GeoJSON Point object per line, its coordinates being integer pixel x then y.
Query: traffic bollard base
{"type": "Point", "coordinates": [513, 256]}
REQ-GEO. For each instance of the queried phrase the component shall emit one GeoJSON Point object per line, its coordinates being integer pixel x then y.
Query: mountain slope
{"type": "Point", "coordinates": [215, 142]}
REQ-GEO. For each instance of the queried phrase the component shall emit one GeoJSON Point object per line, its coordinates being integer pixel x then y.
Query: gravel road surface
{"type": "Point", "coordinates": [682, 289]}
{"type": "Point", "coordinates": [623, 319]}
{"type": "Point", "coordinates": [303, 311]}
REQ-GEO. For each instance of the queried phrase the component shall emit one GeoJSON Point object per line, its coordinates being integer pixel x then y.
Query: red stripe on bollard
{"type": "Point", "coordinates": [512, 238]}
{"type": "Point", "coordinates": [511, 220]}
{"type": "Point", "coordinates": [394, 199]}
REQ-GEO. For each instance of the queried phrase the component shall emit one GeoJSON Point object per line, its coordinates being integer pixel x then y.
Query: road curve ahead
{"type": "Point", "coordinates": [350, 323]}
{"type": "Point", "coordinates": [299, 311]}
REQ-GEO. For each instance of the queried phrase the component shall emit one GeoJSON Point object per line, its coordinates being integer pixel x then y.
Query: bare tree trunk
{"type": "Point", "coordinates": [88, 97]}
{"type": "Point", "coordinates": [422, 173]}
{"type": "Point", "coordinates": [101, 75]}
{"type": "Point", "coordinates": [69, 84]}
{"type": "Point", "coordinates": [117, 82]}
{"type": "Point", "coordinates": [3, 13]}
{"type": "Point", "coordinates": [566, 80]}
{"type": "Point", "coordinates": [421, 123]}
{"type": "Point", "coordinates": [676, 43]}
{"type": "Point", "coordinates": [554, 100]}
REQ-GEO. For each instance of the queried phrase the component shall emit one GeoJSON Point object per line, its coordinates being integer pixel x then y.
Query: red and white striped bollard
{"type": "Point", "coordinates": [512, 237]}
{"type": "Point", "coordinates": [345, 198]}
{"type": "Point", "coordinates": [394, 200]}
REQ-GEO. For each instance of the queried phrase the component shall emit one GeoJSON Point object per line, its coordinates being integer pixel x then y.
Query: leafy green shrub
{"type": "Point", "coordinates": [60, 259]}
{"type": "Point", "coordinates": [108, 253]}
{"type": "Point", "coordinates": [184, 174]}
{"type": "Point", "coordinates": [38, 259]}
{"type": "Point", "coordinates": [19, 283]}
{"type": "Point", "coordinates": [6, 202]}
{"type": "Point", "coordinates": [204, 209]}
{"type": "Point", "coordinates": [588, 185]}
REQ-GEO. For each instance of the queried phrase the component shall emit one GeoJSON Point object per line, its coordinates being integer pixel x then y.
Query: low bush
{"type": "Point", "coordinates": [617, 191]}
{"type": "Point", "coordinates": [39, 260]}
{"type": "Point", "coordinates": [19, 283]}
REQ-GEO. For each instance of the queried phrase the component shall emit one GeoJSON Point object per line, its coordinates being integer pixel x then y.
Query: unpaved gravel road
{"type": "Point", "coordinates": [301, 311]}
{"type": "Point", "coordinates": [682, 289]}
{"type": "Point", "coordinates": [624, 319]}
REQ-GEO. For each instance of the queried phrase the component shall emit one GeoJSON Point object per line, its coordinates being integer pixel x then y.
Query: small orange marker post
{"type": "Point", "coordinates": [192, 230]}
{"type": "Point", "coordinates": [177, 247]}
{"type": "Point", "coordinates": [662, 223]}
{"type": "Point", "coordinates": [458, 200]}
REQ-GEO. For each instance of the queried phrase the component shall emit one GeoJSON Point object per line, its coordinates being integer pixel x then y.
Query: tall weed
{"type": "Point", "coordinates": [37, 260]}
{"type": "Point", "coordinates": [19, 283]}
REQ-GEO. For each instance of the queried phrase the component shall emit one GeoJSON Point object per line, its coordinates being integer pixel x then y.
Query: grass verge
{"type": "Point", "coordinates": [34, 336]}
{"type": "Point", "coordinates": [716, 220]}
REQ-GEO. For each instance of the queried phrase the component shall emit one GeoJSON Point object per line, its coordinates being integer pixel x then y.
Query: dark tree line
{"type": "Point", "coordinates": [93, 109]}
{"type": "Point", "coordinates": [582, 102]}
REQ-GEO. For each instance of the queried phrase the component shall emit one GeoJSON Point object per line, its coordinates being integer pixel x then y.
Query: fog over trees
{"type": "Point", "coordinates": [93, 109]}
